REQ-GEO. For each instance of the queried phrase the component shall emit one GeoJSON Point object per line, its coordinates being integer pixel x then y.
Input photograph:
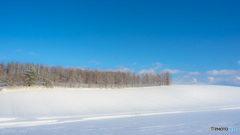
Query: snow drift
{"type": "Point", "coordinates": [60, 108]}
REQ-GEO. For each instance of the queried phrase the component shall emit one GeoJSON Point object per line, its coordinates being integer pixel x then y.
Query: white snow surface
{"type": "Point", "coordinates": [180, 109]}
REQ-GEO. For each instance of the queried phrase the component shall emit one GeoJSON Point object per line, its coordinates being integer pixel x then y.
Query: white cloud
{"type": "Point", "coordinates": [233, 80]}
{"type": "Point", "coordinates": [238, 62]}
{"type": "Point", "coordinates": [124, 69]}
{"type": "Point", "coordinates": [121, 68]}
{"type": "Point", "coordinates": [152, 70]}
{"type": "Point", "coordinates": [194, 73]}
{"type": "Point", "coordinates": [149, 71]}
{"type": "Point", "coordinates": [187, 80]}
{"type": "Point", "coordinates": [223, 72]}
{"type": "Point", "coordinates": [76, 67]}
{"type": "Point", "coordinates": [225, 81]}
{"type": "Point", "coordinates": [172, 71]}
{"type": "Point", "coordinates": [157, 65]}
{"type": "Point", "coordinates": [195, 80]}
{"type": "Point", "coordinates": [211, 79]}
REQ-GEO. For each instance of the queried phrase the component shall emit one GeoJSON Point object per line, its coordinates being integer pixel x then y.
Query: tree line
{"type": "Point", "coordinates": [14, 74]}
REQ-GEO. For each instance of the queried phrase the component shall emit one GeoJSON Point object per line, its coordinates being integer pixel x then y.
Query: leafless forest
{"type": "Point", "coordinates": [11, 74]}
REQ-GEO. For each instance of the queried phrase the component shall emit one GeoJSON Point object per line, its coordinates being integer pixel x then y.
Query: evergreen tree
{"type": "Point", "coordinates": [30, 76]}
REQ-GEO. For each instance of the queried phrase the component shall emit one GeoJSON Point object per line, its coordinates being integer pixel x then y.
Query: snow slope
{"type": "Point", "coordinates": [181, 109]}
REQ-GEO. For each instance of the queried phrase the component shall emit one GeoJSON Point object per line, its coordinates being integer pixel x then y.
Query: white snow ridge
{"type": "Point", "coordinates": [180, 109]}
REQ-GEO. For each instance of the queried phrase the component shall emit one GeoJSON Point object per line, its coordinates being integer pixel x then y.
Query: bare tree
{"type": "Point", "coordinates": [3, 75]}
{"type": "Point", "coordinates": [168, 78]}
{"type": "Point", "coordinates": [10, 69]}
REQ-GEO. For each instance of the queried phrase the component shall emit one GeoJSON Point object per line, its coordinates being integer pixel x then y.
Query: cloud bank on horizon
{"type": "Point", "coordinates": [212, 77]}
{"type": "Point", "coordinates": [216, 77]}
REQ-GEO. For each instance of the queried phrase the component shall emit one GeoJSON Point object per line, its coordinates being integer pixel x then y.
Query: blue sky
{"type": "Point", "coordinates": [197, 41]}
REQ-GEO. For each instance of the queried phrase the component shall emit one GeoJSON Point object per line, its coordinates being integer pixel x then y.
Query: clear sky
{"type": "Point", "coordinates": [198, 41]}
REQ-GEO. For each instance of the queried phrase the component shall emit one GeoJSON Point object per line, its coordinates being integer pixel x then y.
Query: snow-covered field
{"type": "Point", "coordinates": [180, 109]}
